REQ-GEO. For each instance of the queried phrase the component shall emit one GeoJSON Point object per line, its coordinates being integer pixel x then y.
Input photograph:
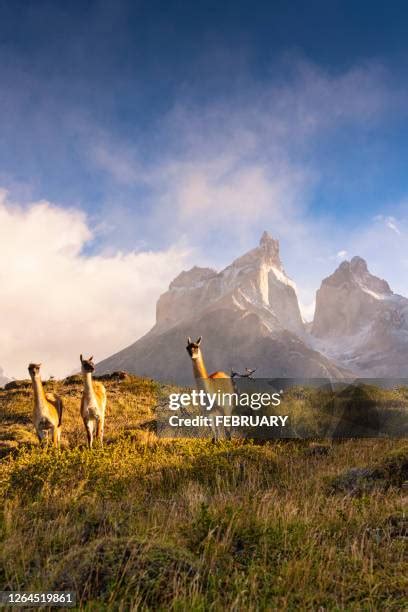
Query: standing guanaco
{"type": "Point", "coordinates": [210, 383]}
{"type": "Point", "coordinates": [93, 402]}
{"type": "Point", "coordinates": [47, 413]}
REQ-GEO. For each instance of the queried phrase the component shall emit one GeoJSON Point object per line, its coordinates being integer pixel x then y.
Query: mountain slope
{"type": "Point", "coordinates": [248, 315]}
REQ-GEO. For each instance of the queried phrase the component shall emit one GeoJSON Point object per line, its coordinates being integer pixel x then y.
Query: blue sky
{"type": "Point", "coordinates": [188, 128]}
{"type": "Point", "coordinates": [75, 75]}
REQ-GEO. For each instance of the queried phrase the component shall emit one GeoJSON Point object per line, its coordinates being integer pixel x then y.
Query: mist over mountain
{"type": "Point", "coordinates": [249, 316]}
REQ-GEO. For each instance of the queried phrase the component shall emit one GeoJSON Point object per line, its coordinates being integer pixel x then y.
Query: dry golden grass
{"type": "Point", "coordinates": [184, 524]}
{"type": "Point", "coordinates": [130, 404]}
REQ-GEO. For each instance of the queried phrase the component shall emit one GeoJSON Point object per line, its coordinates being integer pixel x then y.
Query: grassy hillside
{"type": "Point", "coordinates": [174, 525]}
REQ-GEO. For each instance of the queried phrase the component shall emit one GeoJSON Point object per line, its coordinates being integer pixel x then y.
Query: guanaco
{"type": "Point", "coordinates": [210, 384]}
{"type": "Point", "coordinates": [93, 403]}
{"type": "Point", "coordinates": [47, 412]}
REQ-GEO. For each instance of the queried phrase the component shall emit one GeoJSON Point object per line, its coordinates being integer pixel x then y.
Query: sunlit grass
{"type": "Point", "coordinates": [158, 524]}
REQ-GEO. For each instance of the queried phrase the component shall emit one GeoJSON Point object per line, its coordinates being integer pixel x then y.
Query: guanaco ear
{"type": "Point", "coordinates": [91, 358]}
{"type": "Point", "coordinates": [81, 357]}
{"type": "Point", "coordinates": [199, 340]}
{"type": "Point", "coordinates": [189, 340]}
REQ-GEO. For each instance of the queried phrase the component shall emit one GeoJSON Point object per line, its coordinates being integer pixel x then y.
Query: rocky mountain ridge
{"type": "Point", "coordinates": [255, 283]}
{"type": "Point", "coordinates": [249, 316]}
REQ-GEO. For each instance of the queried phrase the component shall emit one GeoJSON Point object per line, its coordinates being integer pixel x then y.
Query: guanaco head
{"type": "Point", "coordinates": [87, 365]}
{"type": "Point", "coordinates": [193, 348]}
{"type": "Point", "coordinates": [34, 369]}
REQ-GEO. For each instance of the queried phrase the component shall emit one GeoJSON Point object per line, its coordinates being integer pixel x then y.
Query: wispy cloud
{"type": "Point", "coordinates": [341, 254]}
{"type": "Point", "coordinates": [389, 222]}
{"type": "Point", "coordinates": [392, 225]}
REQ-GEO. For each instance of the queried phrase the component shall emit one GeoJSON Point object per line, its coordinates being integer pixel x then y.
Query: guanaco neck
{"type": "Point", "coordinates": [39, 395]}
{"type": "Point", "coordinates": [88, 385]}
{"type": "Point", "coordinates": [199, 369]}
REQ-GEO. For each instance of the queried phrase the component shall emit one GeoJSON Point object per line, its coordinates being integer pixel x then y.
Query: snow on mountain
{"type": "Point", "coordinates": [248, 315]}
{"type": "Point", "coordinates": [255, 282]}
{"type": "Point", "coordinates": [361, 323]}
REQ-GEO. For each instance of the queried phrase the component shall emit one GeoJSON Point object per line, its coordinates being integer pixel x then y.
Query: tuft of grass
{"type": "Point", "coordinates": [129, 570]}
{"type": "Point", "coordinates": [390, 471]}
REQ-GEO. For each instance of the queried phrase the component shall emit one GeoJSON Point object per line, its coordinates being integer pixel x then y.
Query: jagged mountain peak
{"type": "Point", "coordinates": [358, 265]}
{"type": "Point", "coordinates": [254, 282]}
{"type": "Point", "coordinates": [266, 253]}
{"type": "Point", "coordinates": [269, 245]}
{"type": "Point", "coordinates": [356, 273]}
{"type": "Point", "coordinates": [192, 277]}
{"type": "Point", "coordinates": [249, 314]}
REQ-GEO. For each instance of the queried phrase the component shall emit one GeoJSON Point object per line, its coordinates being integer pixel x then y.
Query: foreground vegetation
{"type": "Point", "coordinates": [158, 524]}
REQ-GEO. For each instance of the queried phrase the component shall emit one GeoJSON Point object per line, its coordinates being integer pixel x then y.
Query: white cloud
{"type": "Point", "coordinates": [389, 221]}
{"type": "Point", "coordinates": [57, 302]}
{"type": "Point", "coordinates": [392, 225]}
